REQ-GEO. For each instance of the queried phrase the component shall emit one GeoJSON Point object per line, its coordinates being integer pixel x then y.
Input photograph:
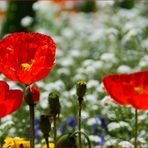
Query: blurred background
{"type": "Point", "coordinates": [94, 38]}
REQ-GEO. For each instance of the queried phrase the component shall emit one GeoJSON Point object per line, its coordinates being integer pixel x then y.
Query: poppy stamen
{"type": "Point", "coordinates": [27, 66]}
{"type": "Point", "coordinates": [139, 90]}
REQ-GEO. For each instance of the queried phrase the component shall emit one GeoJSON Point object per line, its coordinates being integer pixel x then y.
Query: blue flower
{"type": "Point", "coordinates": [102, 139]}
{"type": "Point", "coordinates": [62, 128]}
{"type": "Point", "coordinates": [103, 124]}
{"type": "Point", "coordinates": [72, 122]}
{"type": "Point", "coordinates": [95, 127]}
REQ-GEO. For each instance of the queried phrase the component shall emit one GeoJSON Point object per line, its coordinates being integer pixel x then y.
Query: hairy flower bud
{"type": "Point", "coordinates": [35, 93]}
{"type": "Point", "coordinates": [81, 89]}
{"type": "Point", "coordinates": [54, 104]}
{"type": "Point", "coordinates": [32, 94]}
{"type": "Point", "coordinates": [45, 125]}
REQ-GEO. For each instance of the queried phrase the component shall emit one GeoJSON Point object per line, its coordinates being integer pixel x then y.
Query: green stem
{"type": "Point", "coordinates": [31, 109]}
{"type": "Point", "coordinates": [136, 128]}
{"type": "Point", "coordinates": [1, 142]}
{"type": "Point", "coordinates": [79, 122]}
{"type": "Point", "coordinates": [55, 130]}
{"type": "Point", "coordinates": [86, 136]}
{"type": "Point", "coordinates": [47, 143]}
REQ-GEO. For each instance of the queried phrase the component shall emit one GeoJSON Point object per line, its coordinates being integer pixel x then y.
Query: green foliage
{"type": "Point", "coordinates": [16, 10]}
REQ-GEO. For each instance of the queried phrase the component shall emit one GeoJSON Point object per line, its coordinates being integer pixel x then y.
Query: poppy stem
{"type": "Point", "coordinates": [47, 143]}
{"type": "Point", "coordinates": [31, 109]}
{"type": "Point", "coordinates": [55, 130]}
{"type": "Point", "coordinates": [136, 128]}
{"type": "Point", "coordinates": [79, 121]}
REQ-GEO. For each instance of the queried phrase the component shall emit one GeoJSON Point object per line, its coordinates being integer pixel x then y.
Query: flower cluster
{"type": "Point", "coordinates": [90, 48]}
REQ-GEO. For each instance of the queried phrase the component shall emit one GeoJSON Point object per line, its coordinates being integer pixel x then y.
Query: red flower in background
{"type": "Point", "coordinates": [27, 57]}
{"type": "Point", "coordinates": [10, 100]}
{"type": "Point", "coordinates": [62, 2]}
{"type": "Point", "coordinates": [59, 1]}
{"type": "Point", "coordinates": [128, 89]}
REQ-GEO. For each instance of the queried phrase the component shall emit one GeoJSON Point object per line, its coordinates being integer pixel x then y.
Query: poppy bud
{"type": "Point", "coordinates": [45, 125]}
{"type": "Point", "coordinates": [66, 141]}
{"type": "Point", "coordinates": [32, 94]}
{"type": "Point", "coordinates": [36, 93]}
{"type": "Point", "coordinates": [81, 89]}
{"type": "Point", "coordinates": [54, 103]}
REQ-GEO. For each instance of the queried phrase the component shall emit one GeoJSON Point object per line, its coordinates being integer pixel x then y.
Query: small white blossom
{"type": "Point", "coordinates": [111, 142]}
{"type": "Point", "coordinates": [125, 144]}
{"type": "Point", "coordinates": [108, 57]}
{"type": "Point", "coordinates": [94, 138]}
{"type": "Point", "coordinates": [124, 69]}
{"type": "Point", "coordinates": [26, 21]}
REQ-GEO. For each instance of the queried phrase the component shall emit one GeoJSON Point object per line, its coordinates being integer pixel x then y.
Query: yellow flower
{"type": "Point", "coordinates": [51, 145]}
{"type": "Point", "coordinates": [16, 143]}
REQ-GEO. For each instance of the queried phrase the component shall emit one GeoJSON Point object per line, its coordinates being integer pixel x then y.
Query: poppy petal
{"type": "Point", "coordinates": [10, 101]}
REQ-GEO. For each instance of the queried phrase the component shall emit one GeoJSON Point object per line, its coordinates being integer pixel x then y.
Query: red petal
{"type": "Point", "coordinates": [10, 101]}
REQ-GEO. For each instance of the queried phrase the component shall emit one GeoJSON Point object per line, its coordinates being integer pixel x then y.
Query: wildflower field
{"type": "Point", "coordinates": [89, 46]}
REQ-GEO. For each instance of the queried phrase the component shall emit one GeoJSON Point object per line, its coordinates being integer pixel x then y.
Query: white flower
{"type": "Point", "coordinates": [41, 6]}
{"type": "Point", "coordinates": [108, 57]}
{"type": "Point", "coordinates": [64, 71]}
{"type": "Point", "coordinates": [87, 62]}
{"type": "Point", "coordinates": [112, 126]}
{"type": "Point", "coordinates": [90, 70]}
{"type": "Point", "coordinates": [100, 88]}
{"type": "Point", "coordinates": [40, 84]}
{"type": "Point", "coordinates": [141, 140]}
{"type": "Point", "coordinates": [26, 21]}
{"type": "Point", "coordinates": [79, 77]}
{"type": "Point", "coordinates": [94, 138]}
{"type": "Point", "coordinates": [98, 65]}
{"type": "Point", "coordinates": [124, 69]}
{"type": "Point", "coordinates": [75, 53]}
{"type": "Point", "coordinates": [144, 61]}
{"type": "Point", "coordinates": [111, 142]}
{"type": "Point", "coordinates": [91, 121]}
{"type": "Point", "coordinates": [115, 125]}
{"type": "Point", "coordinates": [84, 114]}
{"type": "Point", "coordinates": [92, 84]}
{"type": "Point", "coordinates": [43, 102]}
{"type": "Point", "coordinates": [66, 62]}
{"type": "Point", "coordinates": [68, 33]}
{"type": "Point", "coordinates": [142, 117]}
{"type": "Point", "coordinates": [91, 98]}
{"type": "Point", "coordinates": [5, 124]}
{"type": "Point", "coordinates": [125, 144]}
{"type": "Point", "coordinates": [107, 101]}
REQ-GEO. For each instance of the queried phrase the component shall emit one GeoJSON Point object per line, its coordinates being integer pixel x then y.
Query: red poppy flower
{"type": "Point", "coordinates": [10, 100]}
{"type": "Point", "coordinates": [62, 2]}
{"type": "Point", "coordinates": [59, 1]}
{"type": "Point", "coordinates": [128, 89]}
{"type": "Point", "coordinates": [27, 57]}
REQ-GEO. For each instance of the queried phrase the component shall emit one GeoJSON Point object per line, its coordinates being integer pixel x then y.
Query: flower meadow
{"type": "Point", "coordinates": [97, 65]}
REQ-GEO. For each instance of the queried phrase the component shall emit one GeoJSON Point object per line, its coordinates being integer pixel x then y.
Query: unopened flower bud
{"type": "Point", "coordinates": [36, 93]}
{"type": "Point", "coordinates": [81, 89]}
{"type": "Point", "coordinates": [45, 125]}
{"type": "Point", "coordinates": [32, 94]}
{"type": "Point", "coordinates": [54, 104]}
{"type": "Point", "coordinates": [67, 141]}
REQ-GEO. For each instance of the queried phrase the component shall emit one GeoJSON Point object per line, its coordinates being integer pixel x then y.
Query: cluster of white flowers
{"type": "Point", "coordinates": [91, 46]}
